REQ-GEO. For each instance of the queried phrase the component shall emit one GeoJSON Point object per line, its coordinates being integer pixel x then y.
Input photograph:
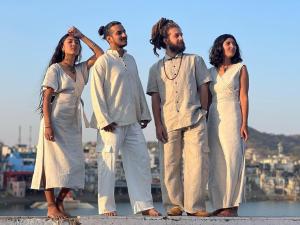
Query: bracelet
{"type": "Point", "coordinates": [47, 126]}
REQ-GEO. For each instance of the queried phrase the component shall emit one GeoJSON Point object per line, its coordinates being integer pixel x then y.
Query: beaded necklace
{"type": "Point", "coordinates": [176, 74]}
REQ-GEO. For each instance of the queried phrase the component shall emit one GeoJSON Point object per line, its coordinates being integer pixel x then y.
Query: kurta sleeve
{"type": "Point", "coordinates": [145, 113]}
{"type": "Point", "coordinates": [51, 78]}
{"type": "Point", "coordinates": [84, 71]}
{"type": "Point", "coordinates": [99, 103]}
{"type": "Point", "coordinates": [202, 74]}
{"type": "Point", "coordinates": [152, 85]}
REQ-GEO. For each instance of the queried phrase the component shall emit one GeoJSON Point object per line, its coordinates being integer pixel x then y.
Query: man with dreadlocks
{"type": "Point", "coordinates": [120, 113]}
{"type": "Point", "coordinates": [178, 85]}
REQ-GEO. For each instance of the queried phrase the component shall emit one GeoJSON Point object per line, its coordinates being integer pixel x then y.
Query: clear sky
{"type": "Point", "coordinates": [267, 32]}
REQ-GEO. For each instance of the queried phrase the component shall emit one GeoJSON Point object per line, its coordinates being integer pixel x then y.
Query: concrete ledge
{"type": "Point", "coordinates": [139, 220]}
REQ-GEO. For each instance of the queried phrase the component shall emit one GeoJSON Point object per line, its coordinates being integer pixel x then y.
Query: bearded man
{"type": "Point", "coordinates": [178, 85]}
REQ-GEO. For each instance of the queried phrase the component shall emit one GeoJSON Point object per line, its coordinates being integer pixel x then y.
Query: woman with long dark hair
{"type": "Point", "coordinates": [227, 126]}
{"type": "Point", "coordinates": [60, 159]}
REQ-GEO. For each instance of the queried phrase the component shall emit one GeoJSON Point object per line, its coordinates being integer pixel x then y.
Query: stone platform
{"type": "Point", "coordinates": [140, 220]}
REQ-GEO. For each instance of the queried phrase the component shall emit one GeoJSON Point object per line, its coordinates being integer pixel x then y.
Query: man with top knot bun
{"type": "Point", "coordinates": [120, 114]}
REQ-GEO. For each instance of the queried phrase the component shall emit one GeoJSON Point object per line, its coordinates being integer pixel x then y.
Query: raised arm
{"type": "Point", "coordinates": [92, 45]}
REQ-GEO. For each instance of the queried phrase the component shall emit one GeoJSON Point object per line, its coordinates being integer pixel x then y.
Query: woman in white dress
{"type": "Point", "coordinates": [227, 126]}
{"type": "Point", "coordinates": [60, 159]}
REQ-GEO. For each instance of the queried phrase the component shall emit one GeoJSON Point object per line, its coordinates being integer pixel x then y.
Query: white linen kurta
{"type": "Point", "coordinates": [117, 96]}
{"type": "Point", "coordinates": [227, 161]}
{"type": "Point", "coordinates": [62, 161]}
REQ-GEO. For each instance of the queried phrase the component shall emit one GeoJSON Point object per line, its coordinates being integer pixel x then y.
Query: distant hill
{"type": "Point", "coordinates": [268, 142]}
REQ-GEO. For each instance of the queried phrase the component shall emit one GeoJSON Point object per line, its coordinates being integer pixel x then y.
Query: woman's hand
{"type": "Point", "coordinates": [73, 31]}
{"type": "Point", "coordinates": [49, 134]}
{"type": "Point", "coordinates": [244, 132]}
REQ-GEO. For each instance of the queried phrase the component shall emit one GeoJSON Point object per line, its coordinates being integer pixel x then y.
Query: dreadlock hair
{"type": "Point", "coordinates": [105, 30]}
{"type": "Point", "coordinates": [159, 32]}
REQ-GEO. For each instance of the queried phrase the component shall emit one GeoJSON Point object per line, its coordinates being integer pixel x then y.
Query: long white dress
{"type": "Point", "coordinates": [227, 161]}
{"type": "Point", "coordinates": [62, 161]}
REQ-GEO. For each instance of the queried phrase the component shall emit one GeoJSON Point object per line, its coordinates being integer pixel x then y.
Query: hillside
{"type": "Point", "coordinates": [268, 142]}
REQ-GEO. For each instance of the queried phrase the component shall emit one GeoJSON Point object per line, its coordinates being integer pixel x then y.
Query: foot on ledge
{"type": "Point", "coordinates": [228, 212]}
{"type": "Point", "coordinates": [175, 211]}
{"type": "Point", "coordinates": [199, 214]}
{"type": "Point", "coordinates": [151, 212]}
{"type": "Point", "coordinates": [112, 213]}
{"type": "Point", "coordinates": [60, 206]}
{"type": "Point", "coordinates": [54, 213]}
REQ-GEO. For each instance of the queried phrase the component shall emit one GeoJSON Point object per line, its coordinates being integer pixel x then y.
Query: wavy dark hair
{"type": "Point", "coordinates": [57, 57]}
{"type": "Point", "coordinates": [159, 32]}
{"type": "Point", "coordinates": [216, 54]}
{"type": "Point", "coordinates": [105, 30]}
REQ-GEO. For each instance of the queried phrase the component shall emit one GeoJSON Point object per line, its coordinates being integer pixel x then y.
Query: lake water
{"type": "Point", "coordinates": [264, 208]}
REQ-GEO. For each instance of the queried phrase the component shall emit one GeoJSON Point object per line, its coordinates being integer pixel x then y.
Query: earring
{"type": "Point", "coordinates": [63, 55]}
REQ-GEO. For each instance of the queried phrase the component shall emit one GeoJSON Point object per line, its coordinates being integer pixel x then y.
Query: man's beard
{"type": "Point", "coordinates": [122, 45]}
{"type": "Point", "coordinates": [177, 48]}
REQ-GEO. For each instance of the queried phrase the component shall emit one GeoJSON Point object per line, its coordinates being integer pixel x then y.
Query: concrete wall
{"type": "Point", "coordinates": [139, 220]}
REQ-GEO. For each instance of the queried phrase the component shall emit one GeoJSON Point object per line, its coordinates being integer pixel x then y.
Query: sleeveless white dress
{"type": "Point", "coordinates": [62, 161]}
{"type": "Point", "coordinates": [227, 161]}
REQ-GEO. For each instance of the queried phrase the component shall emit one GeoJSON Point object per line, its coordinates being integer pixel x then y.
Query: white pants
{"type": "Point", "coordinates": [136, 162]}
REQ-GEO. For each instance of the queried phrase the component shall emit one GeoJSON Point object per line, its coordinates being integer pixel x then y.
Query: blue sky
{"type": "Point", "coordinates": [267, 32]}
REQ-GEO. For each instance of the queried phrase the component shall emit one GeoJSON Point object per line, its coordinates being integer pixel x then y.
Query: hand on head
{"type": "Point", "coordinates": [73, 31]}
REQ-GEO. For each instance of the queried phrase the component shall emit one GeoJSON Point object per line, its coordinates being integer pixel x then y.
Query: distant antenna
{"type": "Point", "coordinates": [20, 135]}
{"type": "Point", "coordinates": [30, 136]}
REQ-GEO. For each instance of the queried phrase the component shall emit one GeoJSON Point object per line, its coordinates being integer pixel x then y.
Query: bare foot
{"type": "Point", "coordinates": [112, 213]}
{"type": "Point", "coordinates": [151, 212]}
{"type": "Point", "coordinates": [60, 206]}
{"type": "Point", "coordinates": [54, 213]}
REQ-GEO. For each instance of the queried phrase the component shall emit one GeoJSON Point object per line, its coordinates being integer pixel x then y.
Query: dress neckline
{"type": "Point", "coordinates": [221, 75]}
{"type": "Point", "coordinates": [68, 74]}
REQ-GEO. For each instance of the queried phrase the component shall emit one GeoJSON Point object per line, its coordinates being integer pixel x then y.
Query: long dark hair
{"type": "Point", "coordinates": [105, 30]}
{"type": "Point", "coordinates": [216, 55]}
{"type": "Point", "coordinates": [159, 32]}
{"type": "Point", "coordinates": [57, 57]}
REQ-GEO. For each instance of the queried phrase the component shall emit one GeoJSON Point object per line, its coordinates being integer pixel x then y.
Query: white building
{"type": "Point", "coordinates": [16, 188]}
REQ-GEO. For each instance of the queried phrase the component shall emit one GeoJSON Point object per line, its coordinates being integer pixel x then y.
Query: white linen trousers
{"type": "Point", "coordinates": [130, 141]}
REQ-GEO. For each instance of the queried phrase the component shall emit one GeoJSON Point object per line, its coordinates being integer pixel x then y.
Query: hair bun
{"type": "Point", "coordinates": [101, 30]}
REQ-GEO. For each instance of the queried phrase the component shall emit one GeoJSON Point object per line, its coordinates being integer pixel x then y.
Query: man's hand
{"type": "Point", "coordinates": [110, 128]}
{"type": "Point", "coordinates": [144, 123]}
{"type": "Point", "coordinates": [161, 134]}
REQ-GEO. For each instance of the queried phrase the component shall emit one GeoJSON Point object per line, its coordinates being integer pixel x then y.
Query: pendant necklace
{"type": "Point", "coordinates": [176, 74]}
{"type": "Point", "coordinates": [71, 68]}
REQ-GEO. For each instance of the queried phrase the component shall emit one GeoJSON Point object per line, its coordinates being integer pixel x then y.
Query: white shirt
{"type": "Point", "coordinates": [116, 91]}
{"type": "Point", "coordinates": [177, 81]}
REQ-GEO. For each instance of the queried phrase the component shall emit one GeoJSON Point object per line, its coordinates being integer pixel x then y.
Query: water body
{"type": "Point", "coordinates": [253, 209]}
